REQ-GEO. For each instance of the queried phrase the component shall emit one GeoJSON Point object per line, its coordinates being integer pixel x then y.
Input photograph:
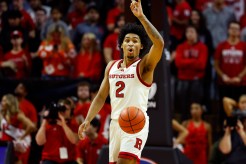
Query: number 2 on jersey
{"type": "Point", "coordinates": [121, 86]}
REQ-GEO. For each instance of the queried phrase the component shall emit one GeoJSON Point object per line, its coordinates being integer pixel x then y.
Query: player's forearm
{"type": "Point", "coordinates": [152, 32]}
{"type": "Point", "coordinates": [95, 107]}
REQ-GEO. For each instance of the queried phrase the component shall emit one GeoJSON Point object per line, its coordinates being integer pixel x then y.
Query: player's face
{"type": "Point", "coordinates": [234, 30]}
{"type": "Point", "coordinates": [242, 103]}
{"type": "Point", "coordinates": [196, 110]}
{"type": "Point", "coordinates": [131, 46]}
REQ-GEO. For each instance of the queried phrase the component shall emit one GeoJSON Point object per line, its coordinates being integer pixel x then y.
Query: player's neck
{"type": "Point", "coordinates": [126, 63]}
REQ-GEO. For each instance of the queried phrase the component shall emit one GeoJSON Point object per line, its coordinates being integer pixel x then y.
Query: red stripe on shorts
{"type": "Point", "coordinates": [128, 155]}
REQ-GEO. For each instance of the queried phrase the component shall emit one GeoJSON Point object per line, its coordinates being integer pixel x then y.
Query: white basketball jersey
{"type": "Point", "coordinates": [127, 88]}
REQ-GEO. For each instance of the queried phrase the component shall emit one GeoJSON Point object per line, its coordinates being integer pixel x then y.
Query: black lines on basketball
{"type": "Point", "coordinates": [129, 118]}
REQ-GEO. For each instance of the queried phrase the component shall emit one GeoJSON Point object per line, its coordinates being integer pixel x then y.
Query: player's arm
{"type": "Point", "coordinates": [98, 101]}
{"type": "Point", "coordinates": [150, 60]}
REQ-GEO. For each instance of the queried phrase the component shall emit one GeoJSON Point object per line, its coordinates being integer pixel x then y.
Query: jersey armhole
{"type": "Point", "coordinates": [140, 78]}
{"type": "Point", "coordinates": [111, 66]}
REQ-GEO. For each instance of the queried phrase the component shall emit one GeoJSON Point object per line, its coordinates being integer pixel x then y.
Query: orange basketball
{"type": "Point", "coordinates": [131, 120]}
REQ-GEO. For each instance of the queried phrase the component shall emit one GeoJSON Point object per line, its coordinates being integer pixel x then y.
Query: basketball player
{"type": "Point", "coordinates": [128, 81]}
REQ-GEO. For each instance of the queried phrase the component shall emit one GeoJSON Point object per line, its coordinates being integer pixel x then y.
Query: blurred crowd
{"type": "Point", "coordinates": [75, 39]}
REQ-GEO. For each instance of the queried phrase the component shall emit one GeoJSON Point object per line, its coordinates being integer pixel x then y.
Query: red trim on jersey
{"type": "Point", "coordinates": [128, 155]}
{"type": "Point", "coordinates": [112, 162]}
{"type": "Point", "coordinates": [118, 66]}
{"type": "Point", "coordinates": [140, 79]}
{"type": "Point", "coordinates": [112, 65]}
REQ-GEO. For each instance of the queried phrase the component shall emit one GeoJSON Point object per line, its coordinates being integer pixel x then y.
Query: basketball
{"type": "Point", "coordinates": [131, 120]}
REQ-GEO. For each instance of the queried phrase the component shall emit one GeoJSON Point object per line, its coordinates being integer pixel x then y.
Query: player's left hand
{"type": "Point", "coordinates": [136, 8]}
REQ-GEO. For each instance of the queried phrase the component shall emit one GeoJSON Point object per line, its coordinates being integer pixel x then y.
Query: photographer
{"type": "Point", "coordinates": [58, 134]}
{"type": "Point", "coordinates": [233, 143]}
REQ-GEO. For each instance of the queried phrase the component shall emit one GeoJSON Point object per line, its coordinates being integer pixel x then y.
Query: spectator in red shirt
{"type": "Point", "coordinates": [56, 52]}
{"type": "Point", "coordinates": [17, 62]}
{"type": "Point", "coordinates": [88, 63]}
{"type": "Point", "coordinates": [191, 58]}
{"type": "Point", "coordinates": [83, 93]}
{"type": "Point", "coordinates": [111, 48]}
{"type": "Point", "coordinates": [76, 16]}
{"type": "Point", "coordinates": [180, 20]}
{"type": "Point", "coordinates": [16, 127]}
{"type": "Point", "coordinates": [199, 140]}
{"type": "Point", "coordinates": [114, 13]}
{"type": "Point", "coordinates": [25, 105]}
{"type": "Point", "coordinates": [88, 149]}
{"type": "Point", "coordinates": [58, 136]}
{"type": "Point", "coordinates": [230, 64]}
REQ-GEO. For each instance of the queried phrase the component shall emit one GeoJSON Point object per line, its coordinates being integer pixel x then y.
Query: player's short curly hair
{"type": "Point", "coordinates": [138, 30]}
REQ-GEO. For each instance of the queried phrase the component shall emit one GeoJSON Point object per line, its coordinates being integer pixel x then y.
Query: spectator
{"type": "Point", "coordinates": [16, 127]}
{"type": "Point", "coordinates": [88, 63]}
{"type": "Point", "coordinates": [83, 93]}
{"type": "Point", "coordinates": [230, 105]}
{"type": "Point", "coordinates": [217, 18]}
{"type": "Point", "coordinates": [199, 141]}
{"type": "Point", "coordinates": [88, 149]}
{"type": "Point", "coordinates": [191, 58]}
{"type": "Point", "coordinates": [3, 10]}
{"type": "Point", "coordinates": [36, 4]}
{"type": "Point", "coordinates": [205, 37]}
{"type": "Point", "coordinates": [233, 142]}
{"type": "Point", "coordinates": [17, 62]}
{"type": "Point", "coordinates": [13, 23]}
{"type": "Point", "coordinates": [231, 54]}
{"type": "Point", "coordinates": [111, 48]}
{"type": "Point", "coordinates": [90, 25]}
{"type": "Point", "coordinates": [26, 21]}
{"type": "Point", "coordinates": [58, 136]}
{"type": "Point", "coordinates": [237, 7]}
{"type": "Point", "coordinates": [54, 21]}
{"type": "Point", "coordinates": [57, 53]}
{"type": "Point", "coordinates": [180, 20]}
{"type": "Point", "coordinates": [114, 13]}
{"type": "Point", "coordinates": [182, 134]}
{"type": "Point", "coordinates": [25, 105]}
{"type": "Point", "coordinates": [76, 16]}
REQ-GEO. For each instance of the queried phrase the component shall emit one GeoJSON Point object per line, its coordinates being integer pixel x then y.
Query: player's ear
{"type": "Point", "coordinates": [141, 46]}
